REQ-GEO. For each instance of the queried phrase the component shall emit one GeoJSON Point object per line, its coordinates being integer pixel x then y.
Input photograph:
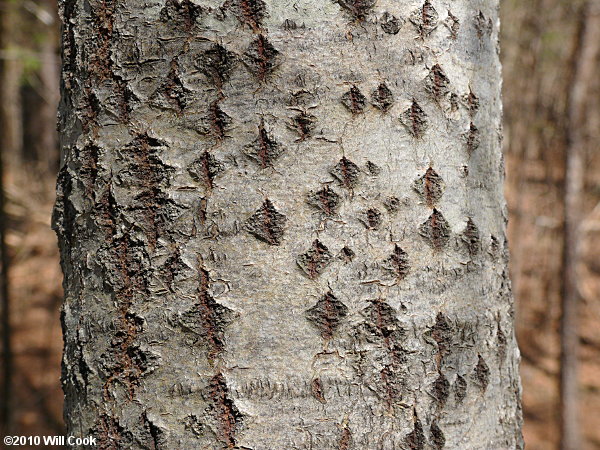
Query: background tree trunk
{"type": "Point", "coordinates": [282, 226]}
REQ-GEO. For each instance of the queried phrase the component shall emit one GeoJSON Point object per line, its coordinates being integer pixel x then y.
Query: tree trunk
{"type": "Point", "coordinates": [282, 226]}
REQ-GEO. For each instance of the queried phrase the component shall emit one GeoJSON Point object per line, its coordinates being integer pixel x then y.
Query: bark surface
{"type": "Point", "coordinates": [282, 225]}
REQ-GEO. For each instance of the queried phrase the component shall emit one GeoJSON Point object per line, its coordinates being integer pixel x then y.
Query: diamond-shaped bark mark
{"type": "Point", "coordinates": [354, 100]}
{"type": "Point", "coordinates": [472, 138]}
{"type": "Point", "coordinates": [327, 314]}
{"type": "Point", "coordinates": [437, 82]}
{"type": "Point", "coordinates": [460, 389]}
{"type": "Point", "coordinates": [325, 200]}
{"type": "Point", "coordinates": [397, 263]}
{"type": "Point", "coordinates": [217, 121]}
{"type": "Point", "coordinates": [481, 374]}
{"type": "Point", "coordinates": [205, 169]}
{"type": "Point", "coordinates": [441, 390]}
{"type": "Point", "coordinates": [316, 387]}
{"type": "Point", "coordinates": [267, 224]}
{"type": "Point", "coordinates": [471, 238]}
{"type": "Point", "coordinates": [304, 124]}
{"type": "Point", "coordinates": [250, 12]}
{"type": "Point", "coordinates": [372, 218]}
{"type": "Point", "coordinates": [227, 417]}
{"type": "Point", "coordinates": [430, 187]}
{"type": "Point", "coordinates": [207, 318]}
{"type": "Point", "coordinates": [502, 343]}
{"type": "Point", "coordinates": [345, 439]}
{"type": "Point", "coordinates": [438, 440]}
{"type": "Point", "coordinates": [472, 102]}
{"type": "Point", "coordinates": [347, 255]}
{"type": "Point", "coordinates": [181, 11]}
{"type": "Point", "coordinates": [390, 24]}
{"type": "Point", "coordinates": [173, 89]}
{"type": "Point", "coordinates": [483, 25]}
{"type": "Point", "coordinates": [435, 230]}
{"type": "Point", "coordinates": [392, 204]}
{"type": "Point", "coordinates": [425, 19]}
{"type": "Point", "coordinates": [415, 440]}
{"type": "Point", "coordinates": [373, 169]}
{"type": "Point", "coordinates": [415, 120]}
{"type": "Point", "coordinates": [217, 63]}
{"type": "Point", "coordinates": [315, 260]}
{"type": "Point", "coordinates": [453, 25]}
{"type": "Point", "coordinates": [381, 321]}
{"type": "Point", "coordinates": [358, 8]}
{"type": "Point", "coordinates": [260, 57]}
{"type": "Point", "coordinates": [264, 150]}
{"type": "Point", "coordinates": [441, 332]}
{"type": "Point", "coordinates": [346, 172]}
{"type": "Point", "coordinates": [382, 97]}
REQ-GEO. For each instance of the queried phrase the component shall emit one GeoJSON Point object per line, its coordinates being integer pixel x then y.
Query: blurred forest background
{"type": "Point", "coordinates": [550, 51]}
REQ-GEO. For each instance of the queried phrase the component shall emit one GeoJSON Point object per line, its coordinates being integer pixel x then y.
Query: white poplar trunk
{"type": "Point", "coordinates": [282, 225]}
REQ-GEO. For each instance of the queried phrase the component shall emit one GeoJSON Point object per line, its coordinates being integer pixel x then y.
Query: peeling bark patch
{"type": "Point", "coordinates": [415, 120]}
{"type": "Point", "coordinates": [267, 224]}
{"type": "Point", "coordinates": [472, 138]}
{"type": "Point", "coordinates": [460, 389]}
{"type": "Point", "coordinates": [205, 169]}
{"type": "Point", "coordinates": [425, 19]}
{"type": "Point", "coordinates": [438, 440]}
{"type": "Point", "coordinates": [470, 238]}
{"type": "Point", "coordinates": [390, 24]}
{"type": "Point", "coordinates": [481, 374]}
{"type": "Point", "coordinates": [327, 314]}
{"type": "Point", "coordinates": [357, 8]}
{"type": "Point", "coordinates": [217, 63]}
{"type": "Point", "coordinates": [223, 410]}
{"type": "Point", "coordinates": [441, 390]}
{"type": "Point", "coordinates": [315, 260]}
{"type": "Point", "coordinates": [260, 57]}
{"type": "Point", "coordinates": [264, 150]}
{"type": "Point", "coordinates": [435, 230]}
{"type": "Point", "coordinates": [437, 83]}
{"type": "Point", "coordinates": [354, 100]}
{"type": "Point", "coordinates": [415, 440]}
{"type": "Point", "coordinates": [372, 219]}
{"type": "Point", "coordinates": [316, 388]}
{"type": "Point", "coordinates": [397, 263]}
{"type": "Point", "coordinates": [346, 172]}
{"type": "Point", "coordinates": [382, 97]}
{"type": "Point", "coordinates": [453, 25]}
{"type": "Point", "coordinates": [325, 200]}
{"type": "Point", "coordinates": [89, 156]}
{"type": "Point", "coordinates": [430, 187]}
{"type": "Point", "coordinates": [181, 12]}
{"type": "Point", "coordinates": [250, 12]}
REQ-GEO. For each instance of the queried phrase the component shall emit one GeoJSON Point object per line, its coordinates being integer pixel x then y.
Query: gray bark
{"type": "Point", "coordinates": [282, 226]}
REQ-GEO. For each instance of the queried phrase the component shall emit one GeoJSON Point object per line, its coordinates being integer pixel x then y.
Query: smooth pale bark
{"type": "Point", "coordinates": [282, 226]}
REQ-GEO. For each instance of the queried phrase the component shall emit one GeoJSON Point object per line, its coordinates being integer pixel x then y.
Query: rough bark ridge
{"type": "Point", "coordinates": [282, 225]}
